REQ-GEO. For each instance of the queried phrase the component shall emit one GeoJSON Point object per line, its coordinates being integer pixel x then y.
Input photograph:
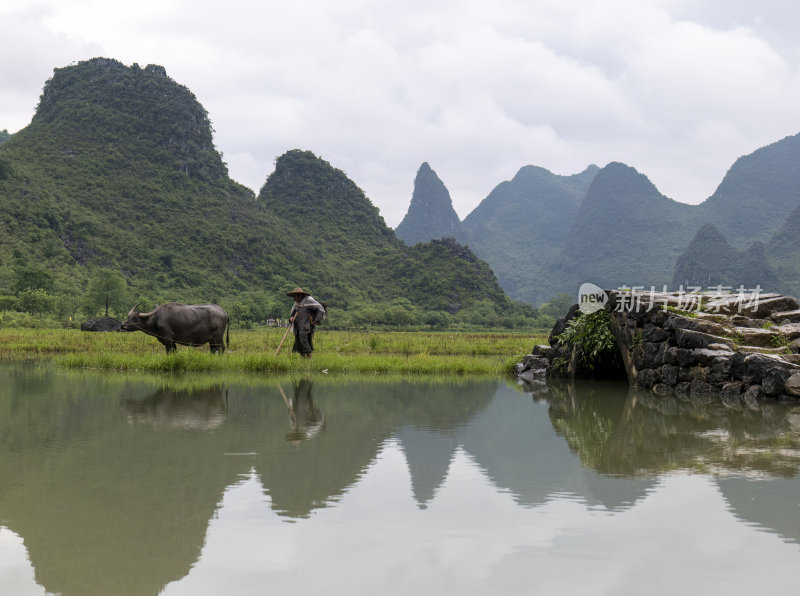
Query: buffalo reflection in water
{"type": "Point", "coordinates": [306, 420]}
{"type": "Point", "coordinates": [169, 409]}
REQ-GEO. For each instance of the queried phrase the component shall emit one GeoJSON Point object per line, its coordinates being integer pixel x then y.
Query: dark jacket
{"type": "Point", "coordinates": [305, 312]}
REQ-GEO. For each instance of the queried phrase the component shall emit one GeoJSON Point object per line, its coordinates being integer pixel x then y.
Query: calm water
{"type": "Point", "coordinates": [129, 485]}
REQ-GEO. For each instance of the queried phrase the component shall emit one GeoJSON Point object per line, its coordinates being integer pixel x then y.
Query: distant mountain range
{"type": "Point", "coordinates": [545, 234]}
{"type": "Point", "coordinates": [116, 179]}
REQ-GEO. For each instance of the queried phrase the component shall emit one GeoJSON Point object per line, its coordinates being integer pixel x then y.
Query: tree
{"type": "Point", "coordinates": [35, 302]}
{"type": "Point", "coordinates": [240, 312]}
{"type": "Point", "coordinates": [107, 289]}
{"type": "Point", "coordinates": [558, 305]}
{"type": "Point", "coordinates": [438, 319]}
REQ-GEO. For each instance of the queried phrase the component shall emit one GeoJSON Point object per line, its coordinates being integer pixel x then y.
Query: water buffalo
{"type": "Point", "coordinates": [187, 325]}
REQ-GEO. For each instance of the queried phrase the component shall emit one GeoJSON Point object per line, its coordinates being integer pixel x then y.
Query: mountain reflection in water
{"type": "Point", "coordinates": [111, 482]}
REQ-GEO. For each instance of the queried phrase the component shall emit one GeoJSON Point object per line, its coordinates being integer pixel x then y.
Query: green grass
{"type": "Point", "coordinates": [337, 352]}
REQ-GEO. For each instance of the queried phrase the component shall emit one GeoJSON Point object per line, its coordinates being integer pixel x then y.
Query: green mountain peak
{"type": "Point", "coordinates": [94, 103]}
{"type": "Point", "coordinates": [710, 261]}
{"type": "Point", "coordinates": [430, 215]}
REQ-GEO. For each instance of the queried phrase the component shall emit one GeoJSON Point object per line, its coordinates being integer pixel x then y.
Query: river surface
{"type": "Point", "coordinates": [127, 485]}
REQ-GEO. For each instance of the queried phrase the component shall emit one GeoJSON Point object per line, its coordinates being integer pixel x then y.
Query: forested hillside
{"type": "Point", "coordinates": [783, 252]}
{"type": "Point", "coordinates": [522, 225]}
{"type": "Point", "coordinates": [626, 232]}
{"type": "Point", "coordinates": [711, 261]}
{"type": "Point", "coordinates": [757, 193]}
{"type": "Point", "coordinates": [115, 189]}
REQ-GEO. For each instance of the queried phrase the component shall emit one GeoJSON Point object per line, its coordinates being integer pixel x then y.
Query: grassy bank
{"type": "Point", "coordinates": [254, 351]}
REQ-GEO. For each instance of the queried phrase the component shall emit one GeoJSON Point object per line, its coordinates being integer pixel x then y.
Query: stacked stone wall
{"type": "Point", "coordinates": [718, 349]}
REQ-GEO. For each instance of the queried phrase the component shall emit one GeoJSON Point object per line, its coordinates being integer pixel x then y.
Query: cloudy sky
{"type": "Point", "coordinates": [677, 89]}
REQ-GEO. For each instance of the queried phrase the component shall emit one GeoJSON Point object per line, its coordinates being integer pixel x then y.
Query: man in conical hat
{"type": "Point", "coordinates": [306, 314]}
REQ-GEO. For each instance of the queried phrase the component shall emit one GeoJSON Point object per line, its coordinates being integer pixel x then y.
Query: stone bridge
{"type": "Point", "coordinates": [741, 346]}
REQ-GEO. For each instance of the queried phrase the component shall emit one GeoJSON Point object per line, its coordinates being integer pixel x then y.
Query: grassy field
{"type": "Point", "coordinates": [253, 351]}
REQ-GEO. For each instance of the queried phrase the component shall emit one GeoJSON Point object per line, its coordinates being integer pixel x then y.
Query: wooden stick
{"type": "Point", "coordinates": [292, 417]}
{"type": "Point", "coordinates": [280, 345]}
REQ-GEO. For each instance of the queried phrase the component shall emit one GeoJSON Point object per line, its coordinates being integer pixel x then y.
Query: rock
{"type": "Point", "coordinates": [532, 363]}
{"type": "Point", "coordinates": [750, 305]}
{"type": "Point", "coordinates": [652, 333]}
{"type": "Point", "coordinates": [654, 354]}
{"type": "Point", "coordinates": [774, 381]}
{"type": "Point", "coordinates": [699, 373]}
{"type": "Point", "coordinates": [793, 358]}
{"type": "Point", "coordinates": [720, 371]}
{"type": "Point", "coordinates": [670, 355]}
{"type": "Point", "coordinates": [686, 338]}
{"type": "Point", "coordinates": [101, 324]}
{"type": "Point", "coordinates": [536, 361]}
{"type": "Point", "coordinates": [739, 304]}
{"type": "Point", "coordinates": [738, 367]}
{"type": "Point", "coordinates": [757, 366]}
{"type": "Point", "coordinates": [669, 374]}
{"type": "Point", "coordinates": [542, 350]}
{"type": "Point", "coordinates": [718, 347]}
{"type": "Point", "coordinates": [765, 307]}
{"type": "Point", "coordinates": [792, 316]}
{"type": "Point", "coordinates": [792, 385]}
{"type": "Point", "coordinates": [684, 357]}
{"type": "Point", "coordinates": [742, 321]}
{"type": "Point", "coordinates": [706, 355]}
{"type": "Point", "coordinates": [760, 350]}
{"type": "Point", "coordinates": [694, 324]}
{"type": "Point", "coordinates": [561, 324]}
{"type": "Point", "coordinates": [764, 338]}
{"type": "Point", "coordinates": [657, 317]}
{"type": "Point", "coordinates": [647, 378]}
{"type": "Point", "coordinates": [789, 330]}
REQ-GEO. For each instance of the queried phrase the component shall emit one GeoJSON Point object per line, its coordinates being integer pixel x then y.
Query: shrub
{"type": "Point", "coordinates": [592, 334]}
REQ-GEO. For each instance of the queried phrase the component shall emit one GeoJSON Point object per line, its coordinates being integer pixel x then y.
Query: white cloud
{"type": "Point", "coordinates": [678, 90]}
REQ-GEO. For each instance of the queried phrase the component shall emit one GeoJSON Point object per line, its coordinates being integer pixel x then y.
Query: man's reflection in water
{"type": "Point", "coordinates": [306, 420]}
